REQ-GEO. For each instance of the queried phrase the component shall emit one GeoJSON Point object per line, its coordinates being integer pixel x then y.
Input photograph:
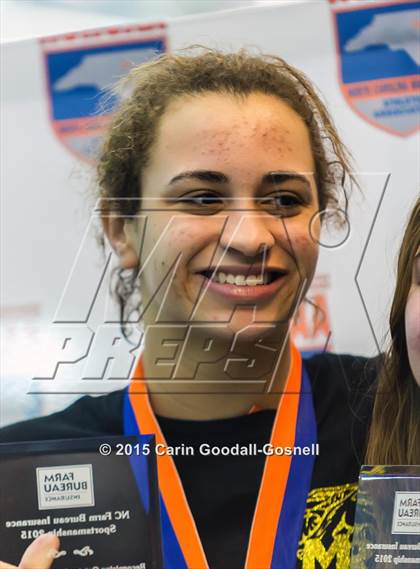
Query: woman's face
{"type": "Point", "coordinates": [229, 195]}
{"type": "Point", "coordinates": [412, 320]}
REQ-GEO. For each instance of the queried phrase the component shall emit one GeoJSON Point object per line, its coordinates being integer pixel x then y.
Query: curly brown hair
{"type": "Point", "coordinates": [194, 71]}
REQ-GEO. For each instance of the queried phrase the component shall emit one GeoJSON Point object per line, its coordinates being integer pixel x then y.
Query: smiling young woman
{"type": "Point", "coordinates": [213, 179]}
{"type": "Point", "coordinates": [237, 208]}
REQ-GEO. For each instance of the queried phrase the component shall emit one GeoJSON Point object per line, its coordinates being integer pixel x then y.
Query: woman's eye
{"type": "Point", "coordinates": [281, 203]}
{"type": "Point", "coordinates": [205, 201]}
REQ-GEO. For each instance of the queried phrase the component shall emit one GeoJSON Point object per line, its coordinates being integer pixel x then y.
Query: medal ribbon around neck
{"type": "Point", "coordinates": [285, 483]}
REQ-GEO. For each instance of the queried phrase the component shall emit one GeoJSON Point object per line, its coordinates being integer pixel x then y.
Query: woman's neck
{"type": "Point", "coordinates": [202, 380]}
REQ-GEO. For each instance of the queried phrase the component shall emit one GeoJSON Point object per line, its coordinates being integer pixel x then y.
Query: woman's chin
{"type": "Point", "coordinates": [245, 324]}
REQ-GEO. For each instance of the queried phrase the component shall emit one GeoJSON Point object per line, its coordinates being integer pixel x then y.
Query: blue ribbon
{"type": "Point", "coordinates": [289, 528]}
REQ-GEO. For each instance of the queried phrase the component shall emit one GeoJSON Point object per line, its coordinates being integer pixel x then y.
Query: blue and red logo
{"type": "Point", "coordinates": [81, 68]}
{"type": "Point", "coordinates": [378, 49]}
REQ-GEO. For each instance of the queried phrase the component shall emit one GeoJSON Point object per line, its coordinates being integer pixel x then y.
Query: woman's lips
{"type": "Point", "coordinates": [244, 292]}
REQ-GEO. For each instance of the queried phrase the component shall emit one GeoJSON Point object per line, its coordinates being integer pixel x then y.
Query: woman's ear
{"type": "Point", "coordinates": [122, 236]}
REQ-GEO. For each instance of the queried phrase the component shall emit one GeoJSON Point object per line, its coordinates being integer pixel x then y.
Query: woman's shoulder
{"type": "Point", "coordinates": [343, 372]}
{"type": "Point", "coordinates": [87, 416]}
{"type": "Point", "coordinates": [343, 386]}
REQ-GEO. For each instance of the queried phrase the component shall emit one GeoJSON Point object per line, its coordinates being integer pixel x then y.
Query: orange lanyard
{"type": "Point", "coordinates": [273, 484]}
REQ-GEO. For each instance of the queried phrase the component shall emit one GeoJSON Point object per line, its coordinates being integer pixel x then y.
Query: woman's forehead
{"type": "Point", "coordinates": [214, 114]}
{"type": "Point", "coordinates": [228, 129]}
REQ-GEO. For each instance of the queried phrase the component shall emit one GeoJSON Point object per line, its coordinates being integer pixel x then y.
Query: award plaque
{"type": "Point", "coordinates": [99, 496]}
{"type": "Point", "coordinates": [387, 523]}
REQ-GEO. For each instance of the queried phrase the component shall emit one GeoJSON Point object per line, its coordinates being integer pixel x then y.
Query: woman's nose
{"type": "Point", "coordinates": [246, 232]}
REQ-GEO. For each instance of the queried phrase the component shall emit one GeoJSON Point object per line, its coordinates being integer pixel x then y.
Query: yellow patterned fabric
{"type": "Point", "coordinates": [326, 535]}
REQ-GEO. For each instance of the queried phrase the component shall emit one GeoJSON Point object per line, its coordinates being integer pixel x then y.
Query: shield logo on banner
{"type": "Point", "coordinates": [81, 69]}
{"type": "Point", "coordinates": [378, 50]}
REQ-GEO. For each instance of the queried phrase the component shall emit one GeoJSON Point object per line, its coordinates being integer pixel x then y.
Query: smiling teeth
{"type": "Point", "coordinates": [240, 280]}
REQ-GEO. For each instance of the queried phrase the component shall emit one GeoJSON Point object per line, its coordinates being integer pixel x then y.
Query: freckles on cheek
{"type": "Point", "coordinates": [301, 246]}
{"type": "Point", "coordinates": [177, 287]}
{"type": "Point", "coordinates": [307, 260]}
{"type": "Point", "coordinates": [179, 247]}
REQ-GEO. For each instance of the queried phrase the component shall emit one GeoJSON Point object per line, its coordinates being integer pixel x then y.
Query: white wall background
{"type": "Point", "coordinates": [21, 19]}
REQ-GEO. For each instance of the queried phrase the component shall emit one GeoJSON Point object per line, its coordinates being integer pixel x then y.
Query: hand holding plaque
{"type": "Point", "coordinates": [40, 553]}
{"type": "Point", "coordinates": [102, 509]}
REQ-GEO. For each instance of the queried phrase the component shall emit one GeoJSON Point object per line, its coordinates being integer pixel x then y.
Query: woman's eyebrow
{"type": "Point", "coordinates": [272, 178]}
{"type": "Point", "coordinates": [202, 176]}
{"type": "Point", "coordinates": [275, 178]}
